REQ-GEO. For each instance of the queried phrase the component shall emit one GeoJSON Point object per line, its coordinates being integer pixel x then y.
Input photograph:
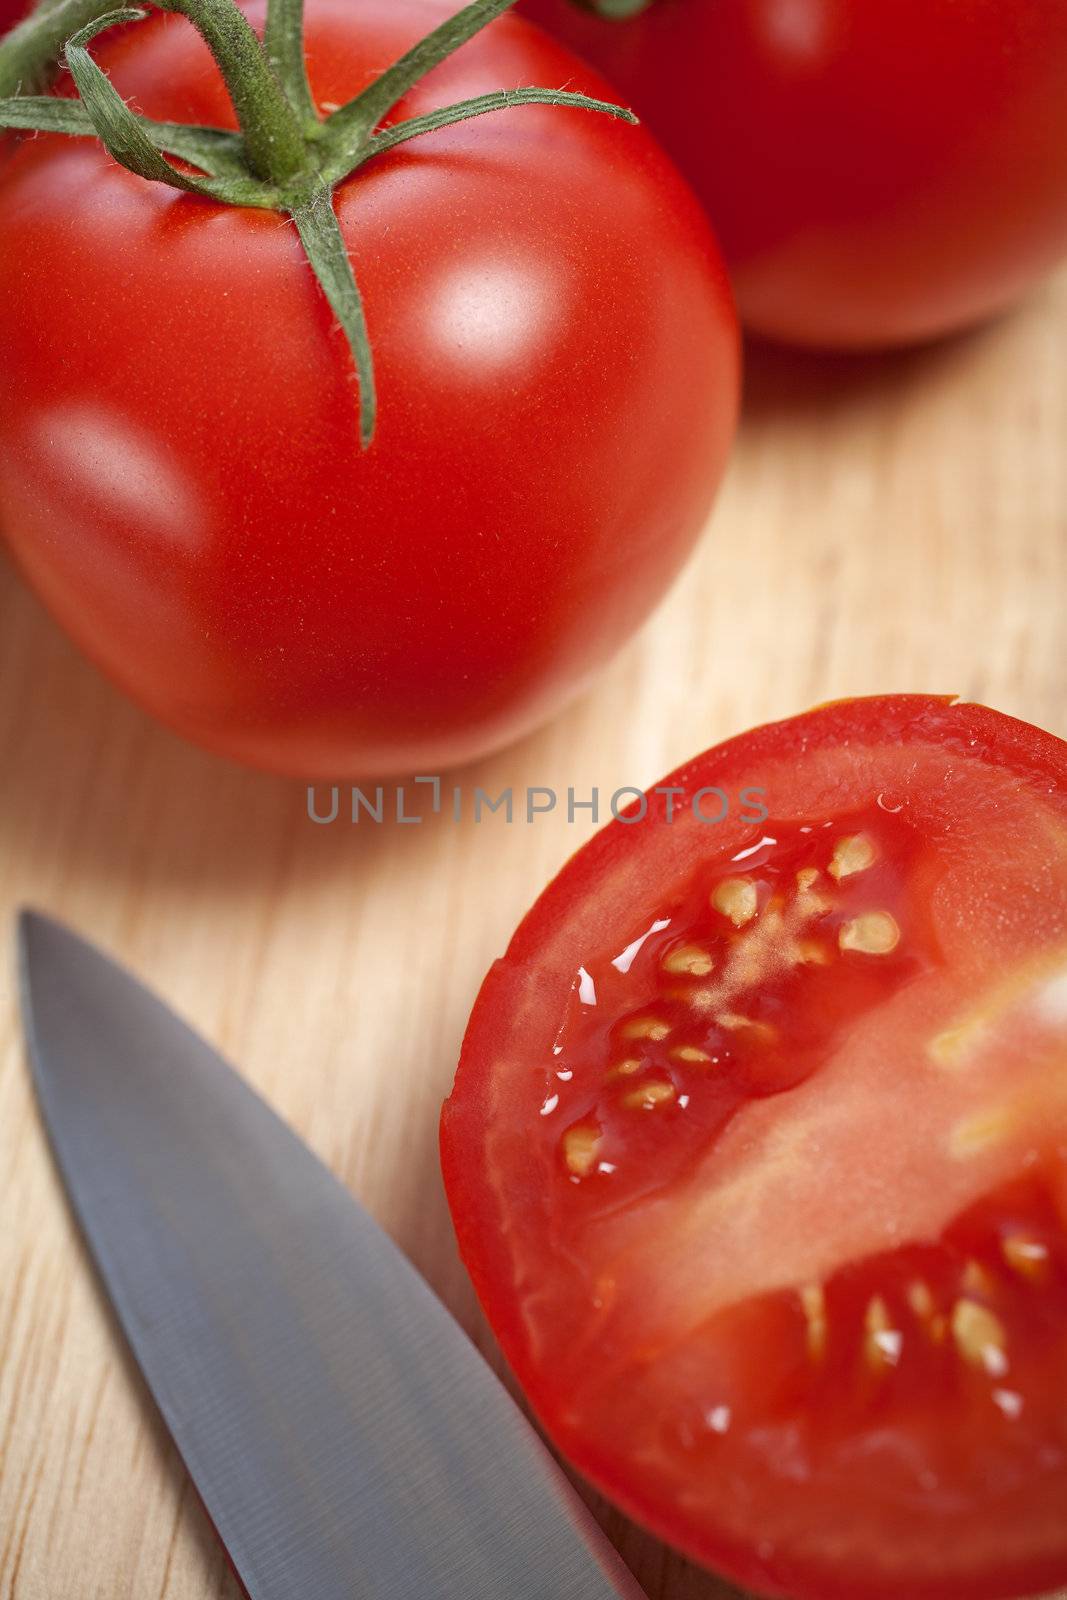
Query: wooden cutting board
{"type": "Point", "coordinates": [889, 524]}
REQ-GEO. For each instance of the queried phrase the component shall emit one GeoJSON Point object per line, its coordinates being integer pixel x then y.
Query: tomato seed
{"type": "Point", "coordinates": [646, 1028]}
{"type": "Point", "coordinates": [580, 1147]}
{"type": "Point", "coordinates": [736, 898]}
{"type": "Point", "coordinates": [813, 1304]}
{"type": "Point", "coordinates": [627, 1068]}
{"type": "Point", "coordinates": [854, 853]}
{"type": "Point", "coordinates": [648, 1096]}
{"type": "Point", "coordinates": [688, 958]}
{"type": "Point", "coordinates": [1027, 1257]}
{"type": "Point", "coordinates": [883, 1342]}
{"type": "Point", "coordinates": [875, 933]}
{"type": "Point", "coordinates": [980, 1337]}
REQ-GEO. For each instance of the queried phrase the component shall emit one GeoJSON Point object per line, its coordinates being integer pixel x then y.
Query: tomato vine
{"type": "Point", "coordinates": [285, 157]}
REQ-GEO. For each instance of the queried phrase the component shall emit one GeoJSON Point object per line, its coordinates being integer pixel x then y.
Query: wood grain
{"type": "Point", "coordinates": [898, 523]}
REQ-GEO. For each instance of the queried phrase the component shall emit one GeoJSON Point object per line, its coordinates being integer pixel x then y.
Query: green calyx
{"type": "Point", "coordinates": [615, 10]}
{"type": "Point", "coordinates": [286, 157]}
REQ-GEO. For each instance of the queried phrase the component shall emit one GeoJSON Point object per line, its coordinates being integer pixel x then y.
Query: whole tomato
{"type": "Point", "coordinates": [878, 171]}
{"type": "Point", "coordinates": [181, 476]}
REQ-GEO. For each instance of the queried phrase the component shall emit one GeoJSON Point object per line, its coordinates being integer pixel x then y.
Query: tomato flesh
{"type": "Point", "coordinates": [758, 1157]}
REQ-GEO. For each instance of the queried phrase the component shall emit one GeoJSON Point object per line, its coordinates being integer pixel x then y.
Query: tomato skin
{"type": "Point", "coordinates": [528, 1261]}
{"type": "Point", "coordinates": [878, 171]}
{"type": "Point", "coordinates": [180, 476]}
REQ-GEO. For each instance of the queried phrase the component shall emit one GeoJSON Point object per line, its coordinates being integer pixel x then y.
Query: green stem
{"type": "Point", "coordinates": [124, 136]}
{"type": "Point", "coordinates": [614, 10]}
{"type": "Point", "coordinates": [324, 246]}
{"type": "Point", "coordinates": [359, 117]}
{"type": "Point", "coordinates": [215, 151]}
{"type": "Point", "coordinates": [462, 111]}
{"type": "Point", "coordinates": [284, 158]}
{"type": "Point", "coordinates": [128, 138]}
{"type": "Point", "coordinates": [273, 139]}
{"type": "Point", "coordinates": [283, 41]}
{"type": "Point", "coordinates": [31, 53]}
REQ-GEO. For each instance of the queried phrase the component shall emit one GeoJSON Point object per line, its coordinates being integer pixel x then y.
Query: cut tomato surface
{"type": "Point", "coordinates": [757, 1155]}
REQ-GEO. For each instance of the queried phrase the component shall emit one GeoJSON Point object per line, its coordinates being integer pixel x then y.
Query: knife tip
{"type": "Point", "coordinates": [30, 924]}
{"type": "Point", "coordinates": [27, 920]}
{"type": "Point", "coordinates": [38, 937]}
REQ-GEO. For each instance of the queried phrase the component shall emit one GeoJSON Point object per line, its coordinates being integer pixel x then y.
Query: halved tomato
{"type": "Point", "coordinates": [757, 1155]}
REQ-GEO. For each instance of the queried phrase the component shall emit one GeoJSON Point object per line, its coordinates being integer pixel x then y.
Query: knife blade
{"type": "Point", "coordinates": [343, 1433]}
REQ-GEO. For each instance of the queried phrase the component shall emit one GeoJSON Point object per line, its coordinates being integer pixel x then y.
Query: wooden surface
{"type": "Point", "coordinates": [898, 523]}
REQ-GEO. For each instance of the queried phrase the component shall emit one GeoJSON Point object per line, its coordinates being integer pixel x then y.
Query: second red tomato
{"type": "Point", "coordinates": [879, 171]}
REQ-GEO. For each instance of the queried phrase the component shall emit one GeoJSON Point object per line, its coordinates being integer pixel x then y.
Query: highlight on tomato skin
{"type": "Point", "coordinates": [757, 1157]}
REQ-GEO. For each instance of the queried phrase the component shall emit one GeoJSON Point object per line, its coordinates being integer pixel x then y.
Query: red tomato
{"type": "Point", "coordinates": [878, 171]}
{"type": "Point", "coordinates": [757, 1155]}
{"type": "Point", "coordinates": [180, 471]}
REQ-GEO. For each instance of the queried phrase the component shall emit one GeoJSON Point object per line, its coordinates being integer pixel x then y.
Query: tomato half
{"type": "Point", "coordinates": [757, 1155]}
{"type": "Point", "coordinates": [878, 171]}
{"type": "Point", "coordinates": [180, 469]}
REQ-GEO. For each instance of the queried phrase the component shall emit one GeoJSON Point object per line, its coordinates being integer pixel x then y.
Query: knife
{"type": "Point", "coordinates": [344, 1435]}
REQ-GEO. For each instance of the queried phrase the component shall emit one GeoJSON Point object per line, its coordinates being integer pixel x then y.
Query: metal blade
{"type": "Point", "coordinates": [344, 1435]}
